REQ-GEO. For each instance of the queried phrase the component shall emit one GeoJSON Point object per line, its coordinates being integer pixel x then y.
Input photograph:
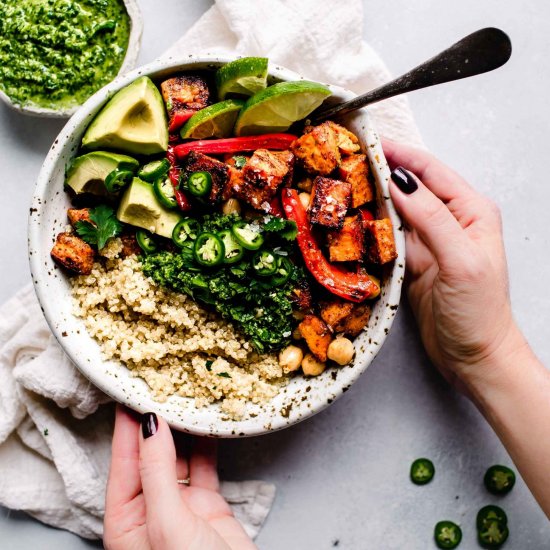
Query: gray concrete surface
{"type": "Point", "coordinates": [342, 476]}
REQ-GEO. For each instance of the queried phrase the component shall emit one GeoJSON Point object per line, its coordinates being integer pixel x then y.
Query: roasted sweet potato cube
{"type": "Point", "coordinates": [348, 142]}
{"type": "Point", "coordinates": [317, 150]}
{"type": "Point", "coordinates": [334, 312]}
{"type": "Point", "coordinates": [219, 171]}
{"type": "Point", "coordinates": [355, 170]}
{"type": "Point", "coordinates": [183, 94]}
{"type": "Point", "coordinates": [317, 335]}
{"type": "Point", "coordinates": [73, 253]}
{"type": "Point", "coordinates": [262, 175]}
{"type": "Point", "coordinates": [78, 215]}
{"type": "Point", "coordinates": [379, 240]}
{"type": "Point", "coordinates": [356, 321]}
{"type": "Point", "coordinates": [330, 202]}
{"type": "Point", "coordinates": [347, 244]}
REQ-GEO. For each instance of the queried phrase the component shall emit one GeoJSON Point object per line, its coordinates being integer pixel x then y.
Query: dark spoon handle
{"type": "Point", "coordinates": [477, 53]}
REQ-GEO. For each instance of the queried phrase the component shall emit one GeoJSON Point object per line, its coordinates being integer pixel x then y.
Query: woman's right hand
{"type": "Point", "coordinates": [456, 266]}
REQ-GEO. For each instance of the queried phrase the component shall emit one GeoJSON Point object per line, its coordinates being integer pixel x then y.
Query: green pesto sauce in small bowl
{"type": "Point", "coordinates": [56, 53]}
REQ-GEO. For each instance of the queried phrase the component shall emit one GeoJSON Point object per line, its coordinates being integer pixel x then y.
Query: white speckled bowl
{"type": "Point", "coordinates": [134, 43]}
{"type": "Point", "coordinates": [302, 397]}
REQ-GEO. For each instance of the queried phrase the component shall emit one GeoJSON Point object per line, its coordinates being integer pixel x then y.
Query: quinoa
{"type": "Point", "coordinates": [166, 338]}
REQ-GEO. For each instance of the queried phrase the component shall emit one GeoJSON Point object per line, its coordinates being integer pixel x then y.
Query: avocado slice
{"type": "Point", "coordinates": [139, 206]}
{"type": "Point", "coordinates": [133, 121]}
{"type": "Point", "coordinates": [87, 173]}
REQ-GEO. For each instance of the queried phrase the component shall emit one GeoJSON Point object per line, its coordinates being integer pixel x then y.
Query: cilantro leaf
{"type": "Point", "coordinates": [286, 229]}
{"type": "Point", "coordinates": [240, 161]}
{"type": "Point", "coordinates": [105, 226]}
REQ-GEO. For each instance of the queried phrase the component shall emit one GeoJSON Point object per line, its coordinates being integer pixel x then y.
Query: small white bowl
{"type": "Point", "coordinates": [129, 62]}
{"type": "Point", "coordinates": [302, 397]}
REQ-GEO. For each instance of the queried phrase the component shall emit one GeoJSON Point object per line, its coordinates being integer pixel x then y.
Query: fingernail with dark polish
{"type": "Point", "coordinates": [404, 180]}
{"type": "Point", "coordinates": [149, 425]}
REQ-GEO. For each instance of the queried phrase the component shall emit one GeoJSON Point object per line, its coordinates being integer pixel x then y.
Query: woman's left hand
{"type": "Point", "coordinates": [145, 506]}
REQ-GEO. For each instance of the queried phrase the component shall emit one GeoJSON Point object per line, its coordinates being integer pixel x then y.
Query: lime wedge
{"type": "Point", "coordinates": [277, 107]}
{"type": "Point", "coordinates": [243, 77]}
{"type": "Point", "coordinates": [214, 121]}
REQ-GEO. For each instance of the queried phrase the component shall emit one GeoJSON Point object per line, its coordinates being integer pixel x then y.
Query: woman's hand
{"type": "Point", "coordinates": [458, 290]}
{"type": "Point", "coordinates": [457, 273]}
{"type": "Point", "coordinates": [147, 509]}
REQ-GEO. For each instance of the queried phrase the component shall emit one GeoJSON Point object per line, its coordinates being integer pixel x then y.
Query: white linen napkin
{"type": "Point", "coordinates": [55, 427]}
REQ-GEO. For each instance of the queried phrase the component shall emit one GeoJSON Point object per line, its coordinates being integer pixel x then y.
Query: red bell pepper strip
{"type": "Point", "coordinates": [179, 119]}
{"type": "Point", "coordinates": [235, 145]}
{"type": "Point", "coordinates": [355, 287]}
{"type": "Point", "coordinates": [275, 207]}
{"type": "Point", "coordinates": [174, 174]}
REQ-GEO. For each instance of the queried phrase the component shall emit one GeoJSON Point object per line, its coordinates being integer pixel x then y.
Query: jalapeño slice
{"type": "Point", "coordinates": [490, 513]}
{"type": "Point", "coordinates": [146, 241]}
{"type": "Point", "coordinates": [165, 192]}
{"type": "Point", "coordinates": [154, 170]}
{"type": "Point", "coordinates": [208, 250]}
{"type": "Point", "coordinates": [264, 263]}
{"type": "Point", "coordinates": [283, 272]}
{"type": "Point", "coordinates": [422, 471]}
{"type": "Point", "coordinates": [447, 534]}
{"type": "Point", "coordinates": [198, 184]}
{"type": "Point", "coordinates": [499, 480]}
{"type": "Point", "coordinates": [493, 534]}
{"type": "Point", "coordinates": [233, 249]}
{"type": "Point", "coordinates": [117, 180]}
{"type": "Point", "coordinates": [185, 231]}
{"type": "Point", "coordinates": [247, 234]}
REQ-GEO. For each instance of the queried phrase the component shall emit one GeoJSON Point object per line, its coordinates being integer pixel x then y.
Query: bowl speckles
{"type": "Point", "coordinates": [302, 397]}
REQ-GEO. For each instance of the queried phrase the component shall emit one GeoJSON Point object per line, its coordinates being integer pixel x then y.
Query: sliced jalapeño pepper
{"type": "Point", "coordinates": [422, 471]}
{"type": "Point", "coordinates": [248, 235]}
{"type": "Point", "coordinates": [447, 534]}
{"type": "Point", "coordinates": [154, 170]}
{"type": "Point", "coordinates": [490, 513]}
{"type": "Point", "coordinates": [265, 263]}
{"type": "Point", "coordinates": [117, 180]}
{"type": "Point", "coordinates": [499, 480]}
{"type": "Point", "coordinates": [146, 241]}
{"type": "Point", "coordinates": [208, 250]}
{"type": "Point", "coordinates": [493, 534]}
{"type": "Point", "coordinates": [198, 184]}
{"type": "Point", "coordinates": [283, 272]}
{"type": "Point", "coordinates": [165, 192]}
{"type": "Point", "coordinates": [185, 230]}
{"type": "Point", "coordinates": [233, 249]}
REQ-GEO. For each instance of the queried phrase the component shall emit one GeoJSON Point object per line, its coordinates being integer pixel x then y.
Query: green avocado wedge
{"type": "Point", "coordinates": [140, 207]}
{"type": "Point", "coordinates": [133, 121]}
{"type": "Point", "coordinates": [87, 173]}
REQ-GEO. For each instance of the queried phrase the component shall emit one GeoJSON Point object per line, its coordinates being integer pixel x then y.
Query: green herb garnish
{"type": "Point", "coordinates": [286, 229]}
{"type": "Point", "coordinates": [105, 226]}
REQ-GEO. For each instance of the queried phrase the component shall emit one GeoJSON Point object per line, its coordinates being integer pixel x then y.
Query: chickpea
{"type": "Point", "coordinates": [297, 334]}
{"type": "Point", "coordinates": [290, 358]}
{"type": "Point", "coordinates": [311, 366]}
{"type": "Point", "coordinates": [305, 199]}
{"type": "Point", "coordinates": [231, 206]}
{"type": "Point", "coordinates": [341, 351]}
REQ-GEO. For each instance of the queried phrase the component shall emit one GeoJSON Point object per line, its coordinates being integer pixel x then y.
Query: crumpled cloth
{"type": "Point", "coordinates": [55, 427]}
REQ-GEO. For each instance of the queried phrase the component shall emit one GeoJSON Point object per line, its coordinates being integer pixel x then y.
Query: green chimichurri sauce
{"type": "Point", "coordinates": [56, 53]}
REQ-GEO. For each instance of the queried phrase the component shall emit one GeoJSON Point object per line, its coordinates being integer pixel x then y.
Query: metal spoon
{"type": "Point", "coordinates": [477, 53]}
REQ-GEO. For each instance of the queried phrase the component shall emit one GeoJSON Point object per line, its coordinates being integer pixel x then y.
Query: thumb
{"type": "Point", "coordinates": [433, 221]}
{"type": "Point", "coordinates": [157, 464]}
